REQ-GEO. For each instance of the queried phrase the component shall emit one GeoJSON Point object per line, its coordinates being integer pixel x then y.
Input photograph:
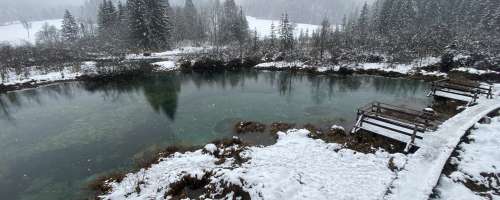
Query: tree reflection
{"type": "Point", "coordinates": [162, 94]}
{"type": "Point", "coordinates": [13, 100]}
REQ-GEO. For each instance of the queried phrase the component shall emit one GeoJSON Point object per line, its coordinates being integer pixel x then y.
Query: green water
{"type": "Point", "coordinates": [55, 139]}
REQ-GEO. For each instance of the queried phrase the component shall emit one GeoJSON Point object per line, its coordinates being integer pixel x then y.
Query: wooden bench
{"type": "Point", "coordinates": [398, 123]}
{"type": "Point", "coordinates": [465, 92]}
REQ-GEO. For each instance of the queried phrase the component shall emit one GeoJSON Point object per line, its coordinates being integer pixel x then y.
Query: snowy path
{"type": "Point", "coordinates": [423, 170]}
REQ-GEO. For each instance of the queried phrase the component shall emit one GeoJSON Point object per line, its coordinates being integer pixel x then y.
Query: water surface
{"type": "Point", "coordinates": [55, 139]}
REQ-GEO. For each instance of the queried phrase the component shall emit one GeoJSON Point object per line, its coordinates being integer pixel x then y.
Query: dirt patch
{"type": "Point", "coordinates": [280, 127]}
{"type": "Point", "coordinates": [446, 108]}
{"type": "Point", "coordinates": [249, 127]}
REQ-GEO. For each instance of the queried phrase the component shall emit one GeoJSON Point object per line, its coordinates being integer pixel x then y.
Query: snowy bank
{"type": "Point", "coordinates": [409, 68]}
{"type": "Point", "coordinates": [296, 167]}
{"type": "Point", "coordinates": [477, 161]}
{"type": "Point", "coordinates": [171, 54]}
{"type": "Point", "coordinates": [166, 66]}
{"type": "Point", "coordinates": [35, 75]}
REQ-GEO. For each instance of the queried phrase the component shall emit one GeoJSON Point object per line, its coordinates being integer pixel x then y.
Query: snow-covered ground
{"type": "Point", "coordinates": [409, 68]}
{"type": "Point", "coordinates": [479, 157]}
{"type": "Point", "coordinates": [475, 71]}
{"type": "Point", "coordinates": [175, 53]}
{"type": "Point", "coordinates": [398, 67]}
{"type": "Point", "coordinates": [296, 167]}
{"type": "Point", "coordinates": [39, 76]}
{"type": "Point", "coordinates": [166, 66]}
{"type": "Point", "coordinates": [263, 26]}
{"type": "Point", "coordinates": [15, 34]}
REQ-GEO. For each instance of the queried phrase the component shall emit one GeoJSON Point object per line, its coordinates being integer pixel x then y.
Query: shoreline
{"type": "Point", "coordinates": [342, 71]}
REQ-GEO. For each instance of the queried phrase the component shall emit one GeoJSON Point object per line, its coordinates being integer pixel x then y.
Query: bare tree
{"type": "Point", "coordinates": [27, 25]}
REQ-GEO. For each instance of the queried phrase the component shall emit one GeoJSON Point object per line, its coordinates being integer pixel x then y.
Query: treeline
{"type": "Point", "coordinates": [136, 26]}
{"type": "Point", "coordinates": [152, 25]}
{"type": "Point", "coordinates": [417, 28]}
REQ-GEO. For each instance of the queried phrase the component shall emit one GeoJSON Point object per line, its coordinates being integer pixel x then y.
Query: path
{"type": "Point", "coordinates": [423, 169]}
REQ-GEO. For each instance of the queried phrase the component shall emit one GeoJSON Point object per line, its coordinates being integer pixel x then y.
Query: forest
{"type": "Point", "coordinates": [390, 30]}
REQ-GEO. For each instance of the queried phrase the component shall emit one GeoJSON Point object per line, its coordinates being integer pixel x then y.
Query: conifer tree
{"type": "Point", "coordinates": [324, 36]}
{"type": "Point", "coordinates": [286, 33]}
{"type": "Point", "coordinates": [190, 21]}
{"type": "Point", "coordinates": [69, 28]}
{"type": "Point", "coordinates": [363, 25]}
{"type": "Point", "coordinates": [273, 36]}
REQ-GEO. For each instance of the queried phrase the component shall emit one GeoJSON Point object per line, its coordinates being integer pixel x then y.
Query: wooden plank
{"type": "Point", "coordinates": [390, 134]}
{"type": "Point", "coordinates": [399, 122]}
{"type": "Point", "coordinates": [391, 129]}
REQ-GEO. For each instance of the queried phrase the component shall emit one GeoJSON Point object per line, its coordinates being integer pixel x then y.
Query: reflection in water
{"type": "Point", "coordinates": [161, 94]}
{"type": "Point", "coordinates": [55, 138]}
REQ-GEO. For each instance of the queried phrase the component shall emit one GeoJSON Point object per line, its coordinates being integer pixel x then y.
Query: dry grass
{"type": "Point", "coordinates": [100, 185]}
{"type": "Point", "coordinates": [147, 161]}
{"type": "Point", "coordinates": [193, 188]}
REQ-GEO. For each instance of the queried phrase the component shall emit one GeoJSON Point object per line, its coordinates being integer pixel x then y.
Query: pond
{"type": "Point", "coordinates": [56, 138]}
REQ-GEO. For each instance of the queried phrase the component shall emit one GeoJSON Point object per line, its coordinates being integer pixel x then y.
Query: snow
{"type": "Point", "coordinates": [38, 76]}
{"type": "Point", "coordinates": [169, 54]}
{"type": "Point", "coordinates": [455, 96]}
{"type": "Point", "coordinates": [281, 65]}
{"type": "Point", "coordinates": [423, 170]}
{"type": "Point", "coordinates": [296, 167]}
{"type": "Point", "coordinates": [337, 127]}
{"type": "Point", "coordinates": [410, 68]}
{"type": "Point", "coordinates": [15, 34]}
{"type": "Point", "coordinates": [263, 26]}
{"type": "Point", "coordinates": [450, 190]}
{"type": "Point", "coordinates": [475, 71]}
{"type": "Point", "coordinates": [389, 133]}
{"type": "Point", "coordinates": [477, 157]}
{"type": "Point", "coordinates": [210, 148]}
{"type": "Point", "coordinates": [402, 68]}
{"type": "Point", "coordinates": [166, 66]}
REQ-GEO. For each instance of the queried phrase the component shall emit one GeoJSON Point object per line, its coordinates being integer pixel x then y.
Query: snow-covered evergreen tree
{"type": "Point", "coordinates": [69, 29]}
{"type": "Point", "coordinates": [149, 24]}
{"type": "Point", "coordinates": [286, 33]}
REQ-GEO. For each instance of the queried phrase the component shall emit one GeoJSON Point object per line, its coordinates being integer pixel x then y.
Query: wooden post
{"type": "Point", "coordinates": [490, 92]}
{"type": "Point", "coordinates": [378, 108]}
{"type": "Point", "coordinates": [412, 141]}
